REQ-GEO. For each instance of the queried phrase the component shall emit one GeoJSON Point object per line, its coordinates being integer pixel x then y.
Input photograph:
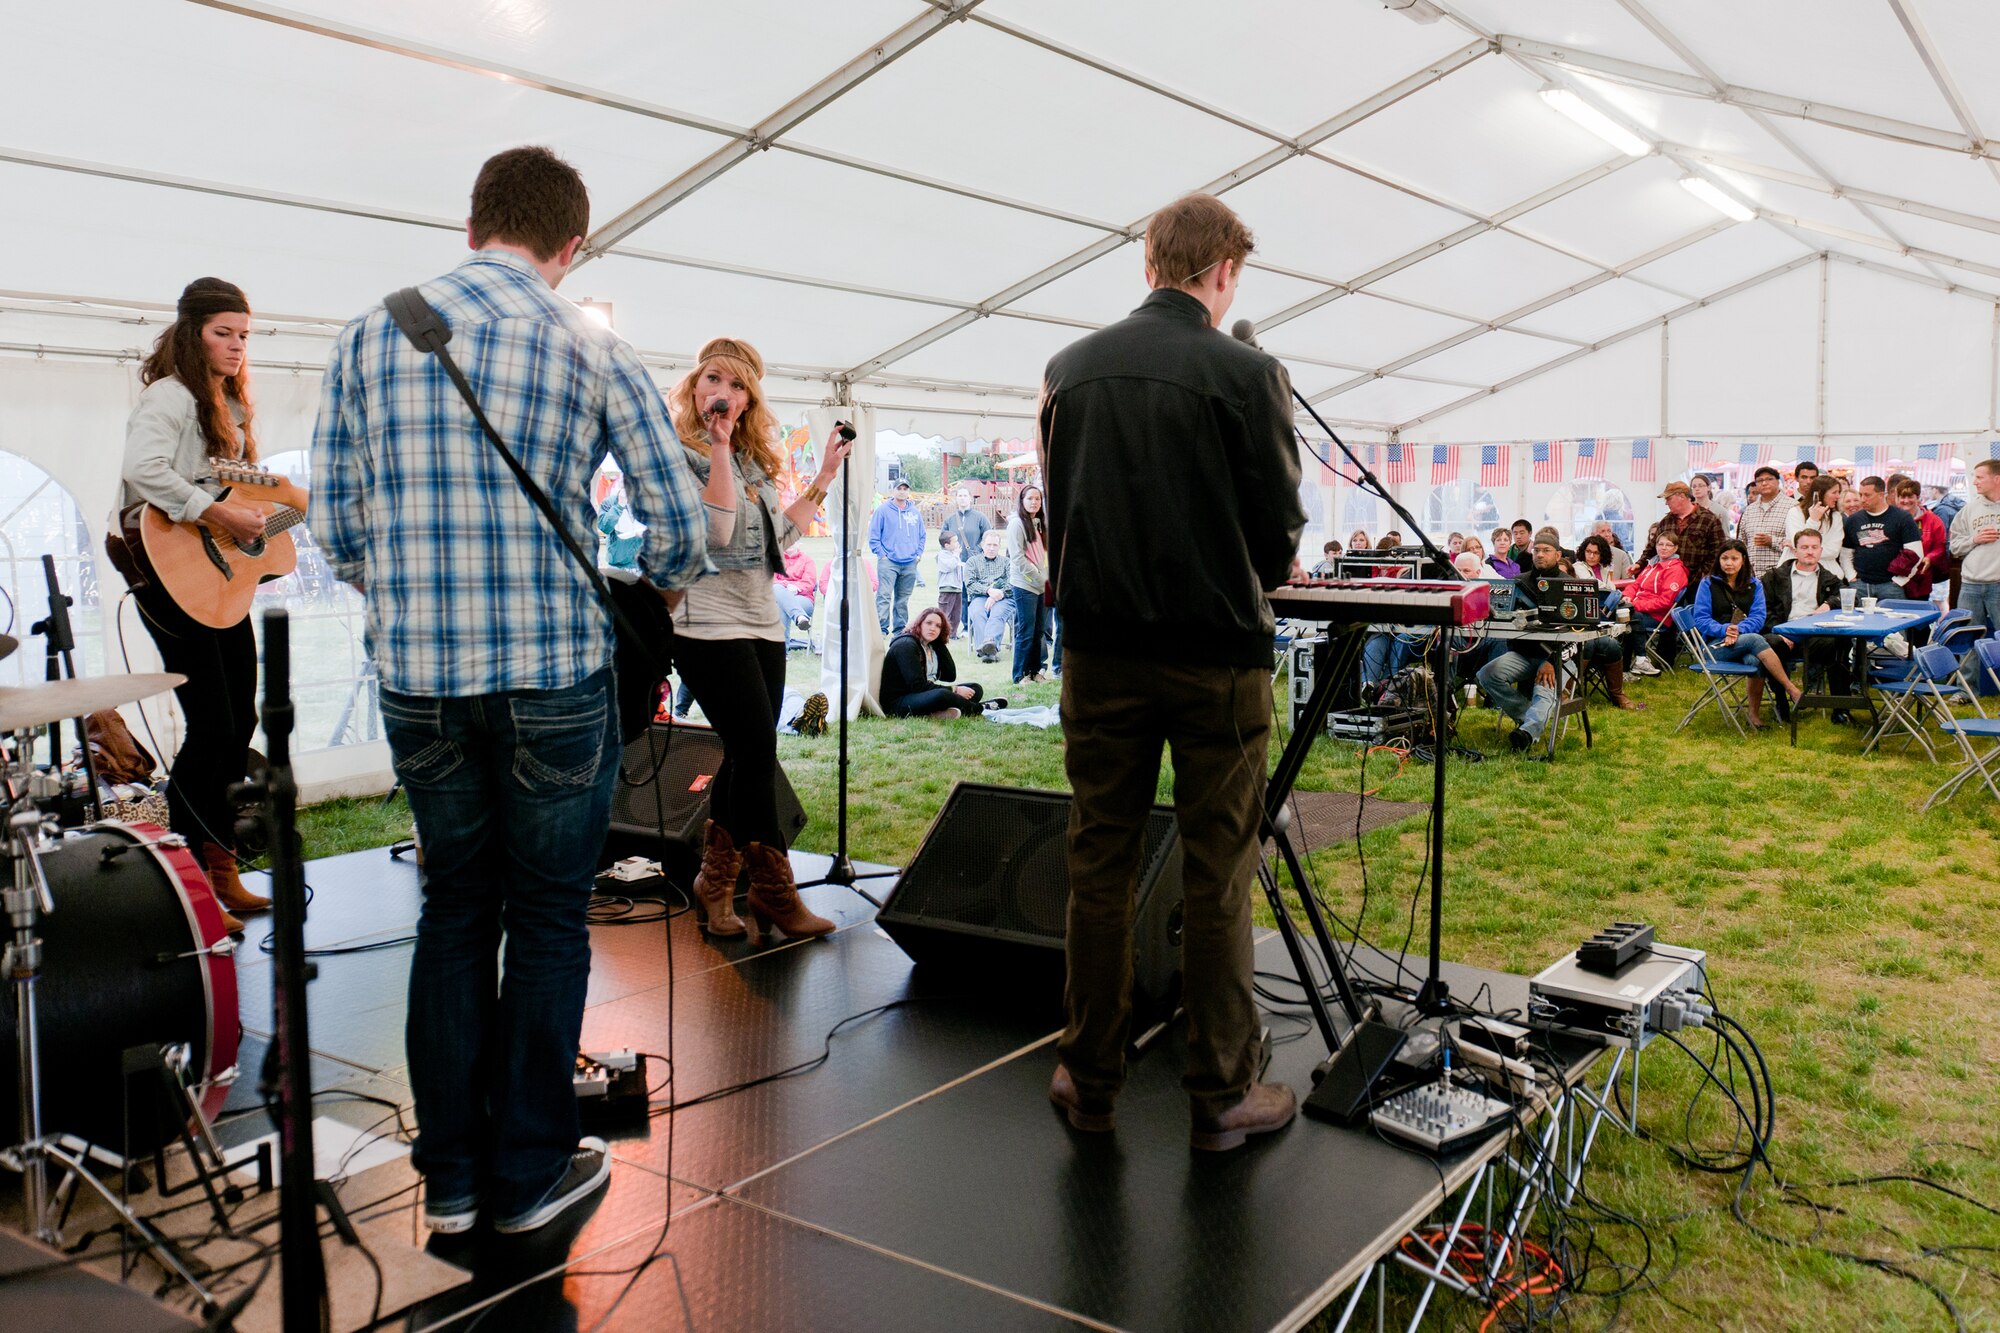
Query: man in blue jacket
{"type": "Point", "coordinates": [896, 536]}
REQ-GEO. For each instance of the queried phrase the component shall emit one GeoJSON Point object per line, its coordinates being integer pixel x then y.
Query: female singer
{"type": "Point", "coordinates": [729, 637]}
{"type": "Point", "coordinates": [195, 408]}
{"type": "Point", "coordinates": [1027, 575]}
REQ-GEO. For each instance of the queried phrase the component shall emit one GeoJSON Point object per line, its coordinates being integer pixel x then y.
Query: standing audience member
{"type": "Point", "coordinates": [1875, 533]}
{"type": "Point", "coordinates": [1818, 508]}
{"type": "Point", "coordinates": [1702, 487]}
{"type": "Point", "coordinates": [1850, 504]}
{"type": "Point", "coordinates": [951, 579]}
{"type": "Point", "coordinates": [1696, 531]}
{"type": "Point", "coordinates": [1728, 613]}
{"type": "Point", "coordinates": [1762, 527]}
{"type": "Point", "coordinates": [988, 603]}
{"type": "Point", "coordinates": [1936, 539]}
{"type": "Point", "coordinates": [918, 674]}
{"type": "Point", "coordinates": [1802, 587]}
{"type": "Point", "coordinates": [1027, 576]}
{"type": "Point", "coordinates": [1975, 540]}
{"type": "Point", "coordinates": [1652, 595]}
{"type": "Point", "coordinates": [1804, 474]}
{"type": "Point", "coordinates": [496, 676]}
{"type": "Point", "coordinates": [896, 536]}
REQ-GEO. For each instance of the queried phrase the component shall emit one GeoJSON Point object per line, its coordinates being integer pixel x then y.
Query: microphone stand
{"type": "Point", "coordinates": [1434, 998]}
{"type": "Point", "coordinates": [61, 645]}
{"type": "Point", "coordinates": [841, 871]}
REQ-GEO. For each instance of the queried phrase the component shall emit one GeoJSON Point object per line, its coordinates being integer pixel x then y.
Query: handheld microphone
{"type": "Point", "coordinates": [846, 431]}
{"type": "Point", "coordinates": [719, 407]}
{"type": "Point", "coordinates": [1245, 332]}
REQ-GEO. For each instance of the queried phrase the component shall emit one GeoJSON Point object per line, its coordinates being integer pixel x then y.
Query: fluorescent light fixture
{"type": "Point", "coordinates": [598, 312]}
{"type": "Point", "coordinates": [1711, 194]}
{"type": "Point", "coordinates": [1599, 124]}
{"type": "Point", "coordinates": [1417, 11]}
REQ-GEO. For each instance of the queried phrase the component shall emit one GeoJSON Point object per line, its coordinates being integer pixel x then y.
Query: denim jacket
{"type": "Point", "coordinates": [742, 545]}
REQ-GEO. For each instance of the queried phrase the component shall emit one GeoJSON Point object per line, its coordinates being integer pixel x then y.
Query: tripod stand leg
{"type": "Point", "coordinates": [162, 1248]}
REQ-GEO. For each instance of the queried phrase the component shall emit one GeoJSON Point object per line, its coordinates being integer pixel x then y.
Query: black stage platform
{"type": "Point", "coordinates": [917, 1180]}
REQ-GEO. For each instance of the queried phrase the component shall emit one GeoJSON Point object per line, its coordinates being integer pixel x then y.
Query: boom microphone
{"type": "Point", "coordinates": [1245, 332]}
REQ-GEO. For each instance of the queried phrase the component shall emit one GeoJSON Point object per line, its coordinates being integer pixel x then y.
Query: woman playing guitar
{"type": "Point", "coordinates": [195, 408]}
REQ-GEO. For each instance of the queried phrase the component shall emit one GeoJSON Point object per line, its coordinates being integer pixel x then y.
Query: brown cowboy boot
{"type": "Point", "coordinates": [774, 898]}
{"type": "Point", "coordinates": [1614, 685]}
{"type": "Point", "coordinates": [220, 863]}
{"type": "Point", "coordinates": [715, 885]}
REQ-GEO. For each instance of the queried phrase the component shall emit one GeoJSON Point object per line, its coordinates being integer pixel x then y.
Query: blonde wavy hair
{"type": "Point", "coordinates": [756, 431]}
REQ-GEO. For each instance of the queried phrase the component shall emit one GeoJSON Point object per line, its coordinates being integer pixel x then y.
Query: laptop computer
{"type": "Point", "coordinates": [1569, 601]}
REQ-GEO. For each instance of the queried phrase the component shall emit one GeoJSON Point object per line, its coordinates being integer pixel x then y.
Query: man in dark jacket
{"type": "Point", "coordinates": [1795, 589]}
{"type": "Point", "coordinates": [1172, 505]}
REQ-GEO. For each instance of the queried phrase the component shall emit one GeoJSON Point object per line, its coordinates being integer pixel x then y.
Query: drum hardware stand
{"type": "Point", "coordinates": [841, 871]}
{"type": "Point", "coordinates": [287, 1074]}
{"type": "Point", "coordinates": [25, 900]}
{"type": "Point", "coordinates": [61, 649]}
{"type": "Point", "coordinates": [168, 1065]}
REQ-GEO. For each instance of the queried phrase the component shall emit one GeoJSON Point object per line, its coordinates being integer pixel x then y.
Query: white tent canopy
{"type": "Point", "coordinates": [910, 204]}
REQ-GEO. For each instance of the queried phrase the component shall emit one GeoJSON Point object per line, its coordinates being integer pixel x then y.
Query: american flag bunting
{"type": "Point", "coordinates": [1493, 464]}
{"type": "Point", "coordinates": [1753, 455]}
{"type": "Point", "coordinates": [1444, 464]}
{"type": "Point", "coordinates": [1864, 457]}
{"type": "Point", "coordinates": [1642, 461]}
{"type": "Point", "coordinates": [1401, 465]}
{"type": "Point", "coordinates": [1548, 460]}
{"type": "Point", "coordinates": [1934, 463]}
{"type": "Point", "coordinates": [1701, 453]}
{"type": "Point", "coordinates": [1590, 457]}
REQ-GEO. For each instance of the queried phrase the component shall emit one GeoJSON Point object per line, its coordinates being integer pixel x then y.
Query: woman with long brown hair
{"type": "Point", "coordinates": [729, 636]}
{"type": "Point", "coordinates": [194, 410]}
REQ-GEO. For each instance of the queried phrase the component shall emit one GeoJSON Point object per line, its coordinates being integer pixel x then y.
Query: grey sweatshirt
{"type": "Point", "coordinates": [1977, 564]}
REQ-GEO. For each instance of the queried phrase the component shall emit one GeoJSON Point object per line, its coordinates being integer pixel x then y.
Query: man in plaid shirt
{"type": "Point", "coordinates": [1697, 533]}
{"type": "Point", "coordinates": [1762, 524]}
{"type": "Point", "coordinates": [494, 657]}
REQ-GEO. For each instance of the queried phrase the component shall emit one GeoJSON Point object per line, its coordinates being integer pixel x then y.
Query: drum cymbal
{"type": "Point", "coordinates": [37, 705]}
{"type": "Point", "coordinates": [8, 643]}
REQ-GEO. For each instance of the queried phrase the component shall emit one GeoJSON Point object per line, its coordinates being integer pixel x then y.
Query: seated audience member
{"type": "Point", "coordinates": [1329, 562]}
{"type": "Point", "coordinates": [1472, 546]}
{"type": "Point", "coordinates": [1469, 565]}
{"type": "Point", "coordinates": [1454, 543]}
{"type": "Point", "coordinates": [796, 587]}
{"type": "Point", "coordinates": [1802, 587]}
{"type": "Point", "coordinates": [1392, 539]}
{"type": "Point", "coordinates": [1621, 560]}
{"type": "Point", "coordinates": [918, 673]}
{"type": "Point", "coordinates": [1384, 653]}
{"type": "Point", "coordinates": [1975, 542]}
{"type": "Point", "coordinates": [1729, 612]}
{"type": "Point", "coordinates": [1522, 550]}
{"type": "Point", "coordinates": [951, 578]}
{"type": "Point", "coordinates": [1500, 561]}
{"type": "Point", "coordinates": [1357, 541]}
{"type": "Point", "coordinates": [1593, 562]}
{"type": "Point", "coordinates": [1529, 661]}
{"type": "Point", "coordinates": [986, 596]}
{"type": "Point", "coordinates": [1388, 543]}
{"type": "Point", "coordinates": [1651, 594]}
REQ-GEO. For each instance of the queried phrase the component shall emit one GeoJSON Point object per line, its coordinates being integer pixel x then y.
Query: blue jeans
{"type": "Point", "coordinates": [1884, 590]}
{"type": "Point", "coordinates": [1382, 656]}
{"type": "Point", "coordinates": [989, 620]}
{"type": "Point", "coordinates": [1501, 680]}
{"type": "Point", "coordinates": [512, 793]}
{"type": "Point", "coordinates": [1055, 641]}
{"type": "Point", "coordinates": [896, 583]}
{"type": "Point", "coordinates": [1748, 648]}
{"type": "Point", "coordinates": [1983, 600]}
{"type": "Point", "coordinates": [1031, 625]}
{"type": "Point", "coordinates": [791, 605]}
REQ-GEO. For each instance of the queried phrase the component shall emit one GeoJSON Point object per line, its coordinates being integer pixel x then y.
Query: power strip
{"type": "Point", "coordinates": [1440, 1116]}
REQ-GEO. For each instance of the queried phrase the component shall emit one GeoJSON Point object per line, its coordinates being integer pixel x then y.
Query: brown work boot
{"type": "Point", "coordinates": [1265, 1108]}
{"type": "Point", "coordinates": [1062, 1091]}
{"type": "Point", "coordinates": [220, 863]}
{"type": "Point", "coordinates": [231, 925]}
{"type": "Point", "coordinates": [1614, 685]}
{"type": "Point", "coordinates": [715, 883]}
{"type": "Point", "coordinates": [774, 898]}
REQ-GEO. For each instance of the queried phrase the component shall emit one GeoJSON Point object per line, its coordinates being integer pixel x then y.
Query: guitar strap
{"type": "Point", "coordinates": [428, 333]}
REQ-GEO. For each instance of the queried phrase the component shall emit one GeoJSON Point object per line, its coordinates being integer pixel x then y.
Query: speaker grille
{"type": "Point", "coordinates": [997, 860]}
{"type": "Point", "coordinates": [662, 787]}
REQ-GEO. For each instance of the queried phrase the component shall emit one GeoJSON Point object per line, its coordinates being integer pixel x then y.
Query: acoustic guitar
{"type": "Point", "coordinates": [202, 568]}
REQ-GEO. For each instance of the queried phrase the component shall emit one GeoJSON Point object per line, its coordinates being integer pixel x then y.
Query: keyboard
{"type": "Point", "coordinates": [1388, 601]}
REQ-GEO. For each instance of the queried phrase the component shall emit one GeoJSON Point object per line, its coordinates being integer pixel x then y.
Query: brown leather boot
{"type": "Point", "coordinates": [1614, 685]}
{"type": "Point", "coordinates": [1265, 1108]}
{"type": "Point", "coordinates": [230, 924]}
{"type": "Point", "coordinates": [774, 898]}
{"type": "Point", "coordinates": [220, 863]}
{"type": "Point", "coordinates": [715, 885]}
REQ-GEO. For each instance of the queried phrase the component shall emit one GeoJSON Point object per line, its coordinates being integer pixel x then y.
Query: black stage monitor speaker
{"type": "Point", "coordinates": [988, 893]}
{"type": "Point", "coordinates": [664, 786]}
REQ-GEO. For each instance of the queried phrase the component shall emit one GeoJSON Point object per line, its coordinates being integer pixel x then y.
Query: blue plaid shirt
{"type": "Point", "coordinates": [468, 591]}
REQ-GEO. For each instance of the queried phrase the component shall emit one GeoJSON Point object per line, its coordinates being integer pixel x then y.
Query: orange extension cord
{"type": "Point", "coordinates": [1467, 1263]}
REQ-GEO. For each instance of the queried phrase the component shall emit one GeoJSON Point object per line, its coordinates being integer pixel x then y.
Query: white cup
{"type": "Point", "coordinates": [1847, 599]}
{"type": "Point", "coordinates": [1868, 603]}
{"type": "Point", "coordinates": [1624, 615]}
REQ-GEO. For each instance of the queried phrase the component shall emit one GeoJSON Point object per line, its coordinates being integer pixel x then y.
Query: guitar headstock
{"type": "Point", "coordinates": [245, 474]}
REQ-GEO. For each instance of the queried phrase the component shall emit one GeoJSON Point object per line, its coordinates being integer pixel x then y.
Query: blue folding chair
{"type": "Point", "coordinates": [1934, 685]}
{"type": "Point", "coordinates": [1951, 618]}
{"type": "Point", "coordinates": [1966, 730]}
{"type": "Point", "coordinates": [1722, 682]}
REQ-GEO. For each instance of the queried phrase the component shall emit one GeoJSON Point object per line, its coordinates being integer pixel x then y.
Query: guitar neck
{"type": "Point", "coordinates": [283, 517]}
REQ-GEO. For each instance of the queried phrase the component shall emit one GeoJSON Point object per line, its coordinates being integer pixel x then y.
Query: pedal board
{"type": "Point", "coordinates": [1441, 1116]}
{"type": "Point", "coordinates": [611, 1091]}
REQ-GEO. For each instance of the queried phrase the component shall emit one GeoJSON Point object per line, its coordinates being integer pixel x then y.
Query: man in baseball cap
{"type": "Point", "coordinates": [1697, 533]}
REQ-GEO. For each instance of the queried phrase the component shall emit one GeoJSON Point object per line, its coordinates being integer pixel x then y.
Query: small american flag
{"type": "Point", "coordinates": [1993, 448]}
{"type": "Point", "coordinates": [1548, 460]}
{"type": "Point", "coordinates": [1809, 453]}
{"type": "Point", "coordinates": [1401, 465]}
{"type": "Point", "coordinates": [1444, 464]}
{"type": "Point", "coordinates": [1864, 456]}
{"type": "Point", "coordinates": [1700, 453]}
{"type": "Point", "coordinates": [1590, 457]}
{"type": "Point", "coordinates": [1934, 463]}
{"type": "Point", "coordinates": [1642, 461]}
{"type": "Point", "coordinates": [1753, 455]}
{"type": "Point", "coordinates": [1493, 464]}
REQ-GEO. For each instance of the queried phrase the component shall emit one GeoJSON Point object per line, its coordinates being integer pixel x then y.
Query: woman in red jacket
{"type": "Point", "coordinates": [1652, 595]}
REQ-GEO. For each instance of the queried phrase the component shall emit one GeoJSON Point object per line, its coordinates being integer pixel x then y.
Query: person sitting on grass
{"type": "Point", "coordinates": [918, 674]}
{"type": "Point", "coordinates": [1651, 595]}
{"type": "Point", "coordinates": [1729, 612]}
{"type": "Point", "coordinates": [1802, 587]}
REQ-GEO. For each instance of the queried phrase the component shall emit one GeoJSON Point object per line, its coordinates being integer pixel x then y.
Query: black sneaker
{"type": "Point", "coordinates": [988, 705]}
{"type": "Point", "coordinates": [1520, 739]}
{"type": "Point", "coordinates": [589, 1170]}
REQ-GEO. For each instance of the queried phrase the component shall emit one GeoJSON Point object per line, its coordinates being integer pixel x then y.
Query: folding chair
{"type": "Point", "coordinates": [1656, 650]}
{"type": "Point", "coordinates": [1722, 682]}
{"type": "Point", "coordinates": [1950, 619]}
{"type": "Point", "coordinates": [1985, 767]}
{"type": "Point", "coordinates": [1933, 687]}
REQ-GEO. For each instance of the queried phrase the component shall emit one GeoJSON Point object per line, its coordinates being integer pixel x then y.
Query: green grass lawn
{"type": "Point", "coordinates": [1854, 937]}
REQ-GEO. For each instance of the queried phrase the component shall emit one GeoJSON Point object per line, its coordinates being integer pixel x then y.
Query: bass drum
{"type": "Point", "coordinates": [113, 976]}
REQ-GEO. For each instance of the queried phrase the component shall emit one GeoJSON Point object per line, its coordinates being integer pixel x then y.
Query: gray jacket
{"type": "Point", "coordinates": [982, 575]}
{"type": "Point", "coordinates": [164, 451]}
{"type": "Point", "coordinates": [1977, 564]}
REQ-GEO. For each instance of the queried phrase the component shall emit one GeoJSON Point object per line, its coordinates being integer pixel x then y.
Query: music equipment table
{"type": "Point", "coordinates": [1572, 694]}
{"type": "Point", "coordinates": [1384, 601]}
